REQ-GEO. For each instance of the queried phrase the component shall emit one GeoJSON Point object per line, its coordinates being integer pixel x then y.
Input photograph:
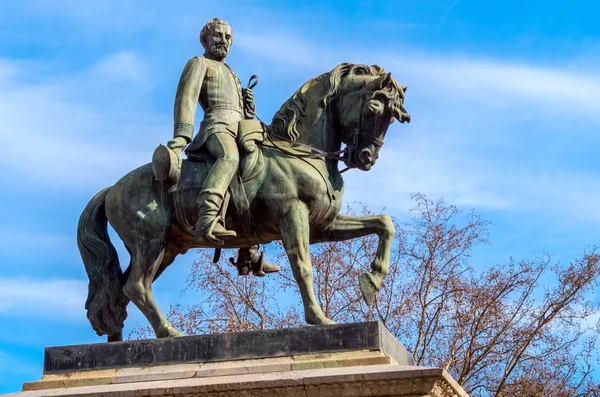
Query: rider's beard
{"type": "Point", "coordinates": [220, 52]}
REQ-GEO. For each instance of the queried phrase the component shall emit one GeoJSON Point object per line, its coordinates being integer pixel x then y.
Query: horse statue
{"type": "Point", "coordinates": [294, 193]}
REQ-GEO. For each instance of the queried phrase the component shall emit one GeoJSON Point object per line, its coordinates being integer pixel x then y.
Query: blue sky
{"type": "Point", "coordinates": [505, 99]}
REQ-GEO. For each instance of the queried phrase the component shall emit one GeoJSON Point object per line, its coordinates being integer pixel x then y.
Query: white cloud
{"type": "Point", "coordinates": [59, 299]}
{"type": "Point", "coordinates": [17, 239]}
{"type": "Point", "coordinates": [80, 131]}
{"type": "Point", "coordinates": [281, 48]}
{"type": "Point", "coordinates": [122, 67]}
{"type": "Point", "coordinates": [473, 183]}
{"type": "Point", "coordinates": [563, 89]}
{"type": "Point", "coordinates": [7, 70]}
{"type": "Point", "coordinates": [412, 167]}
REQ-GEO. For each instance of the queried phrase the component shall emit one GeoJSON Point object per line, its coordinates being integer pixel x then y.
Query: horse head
{"type": "Point", "coordinates": [368, 101]}
{"type": "Point", "coordinates": [359, 102]}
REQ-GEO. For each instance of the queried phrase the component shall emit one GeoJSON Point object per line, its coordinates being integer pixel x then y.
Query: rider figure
{"type": "Point", "coordinates": [209, 81]}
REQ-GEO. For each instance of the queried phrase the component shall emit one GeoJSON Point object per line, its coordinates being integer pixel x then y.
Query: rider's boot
{"type": "Point", "coordinates": [260, 264]}
{"type": "Point", "coordinates": [250, 260]}
{"type": "Point", "coordinates": [209, 226]}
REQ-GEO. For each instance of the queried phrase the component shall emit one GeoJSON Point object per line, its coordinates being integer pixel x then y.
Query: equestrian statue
{"type": "Point", "coordinates": [243, 183]}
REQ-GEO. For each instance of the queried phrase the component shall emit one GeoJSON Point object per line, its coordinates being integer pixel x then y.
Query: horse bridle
{"type": "Point", "coordinates": [357, 133]}
{"type": "Point", "coordinates": [352, 140]}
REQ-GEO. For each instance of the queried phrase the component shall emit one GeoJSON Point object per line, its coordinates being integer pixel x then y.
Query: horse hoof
{"type": "Point", "coordinates": [367, 287]}
{"type": "Point", "coordinates": [321, 321]}
{"type": "Point", "coordinates": [169, 333]}
{"type": "Point", "coordinates": [118, 337]}
{"type": "Point", "coordinates": [314, 316]}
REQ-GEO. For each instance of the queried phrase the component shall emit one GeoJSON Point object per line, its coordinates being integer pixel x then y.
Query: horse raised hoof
{"type": "Point", "coordinates": [367, 287]}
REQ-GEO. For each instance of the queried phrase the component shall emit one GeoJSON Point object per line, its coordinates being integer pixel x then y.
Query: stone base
{"type": "Point", "coordinates": [369, 371]}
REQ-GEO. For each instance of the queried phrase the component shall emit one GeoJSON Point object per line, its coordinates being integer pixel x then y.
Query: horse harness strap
{"type": "Point", "coordinates": [352, 138]}
{"type": "Point", "coordinates": [316, 153]}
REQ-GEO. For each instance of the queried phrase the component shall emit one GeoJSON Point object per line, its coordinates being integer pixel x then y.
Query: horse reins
{"type": "Point", "coordinates": [352, 139]}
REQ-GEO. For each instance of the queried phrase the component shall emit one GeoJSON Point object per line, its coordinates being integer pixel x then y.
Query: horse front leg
{"type": "Point", "coordinates": [346, 227]}
{"type": "Point", "coordinates": [295, 235]}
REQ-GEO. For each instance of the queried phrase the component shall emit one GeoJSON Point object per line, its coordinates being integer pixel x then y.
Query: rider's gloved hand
{"type": "Point", "coordinates": [178, 142]}
{"type": "Point", "coordinates": [249, 107]}
{"type": "Point", "coordinates": [249, 146]}
{"type": "Point", "coordinates": [248, 95]}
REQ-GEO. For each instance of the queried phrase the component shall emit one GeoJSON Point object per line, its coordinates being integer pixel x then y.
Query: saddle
{"type": "Point", "coordinates": [183, 175]}
{"type": "Point", "coordinates": [251, 133]}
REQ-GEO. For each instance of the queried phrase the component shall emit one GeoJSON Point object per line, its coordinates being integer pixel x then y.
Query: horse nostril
{"type": "Point", "coordinates": [365, 156]}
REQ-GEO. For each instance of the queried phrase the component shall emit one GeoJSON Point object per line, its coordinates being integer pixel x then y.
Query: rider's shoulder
{"type": "Point", "coordinates": [207, 63]}
{"type": "Point", "coordinates": [203, 60]}
{"type": "Point", "coordinates": [198, 61]}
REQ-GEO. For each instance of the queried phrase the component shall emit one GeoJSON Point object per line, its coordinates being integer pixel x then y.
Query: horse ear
{"type": "Point", "coordinates": [386, 81]}
{"type": "Point", "coordinates": [404, 88]}
{"type": "Point", "coordinates": [380, 82]}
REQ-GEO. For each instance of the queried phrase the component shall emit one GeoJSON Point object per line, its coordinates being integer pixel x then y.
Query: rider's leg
{"type": "Point", "coordinates": [223, 148]}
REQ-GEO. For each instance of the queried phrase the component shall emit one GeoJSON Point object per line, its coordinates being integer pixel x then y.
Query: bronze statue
{"type": "Point", "coordinates": [288, 187]}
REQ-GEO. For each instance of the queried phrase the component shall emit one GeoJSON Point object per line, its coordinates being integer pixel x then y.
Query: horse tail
{"type": "Point", "coordinates": [106, 303]}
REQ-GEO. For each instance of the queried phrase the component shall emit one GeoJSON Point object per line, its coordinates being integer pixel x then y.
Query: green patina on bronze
{"type": "Point", "coordinates": [284, 182]}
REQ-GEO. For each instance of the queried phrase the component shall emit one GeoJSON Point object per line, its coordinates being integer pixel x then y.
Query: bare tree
{"type": "Point", "coordinates": [523, 328]}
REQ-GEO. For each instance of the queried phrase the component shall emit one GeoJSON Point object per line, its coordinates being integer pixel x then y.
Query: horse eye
{"type": "Point", "coordinates": [374, 109]}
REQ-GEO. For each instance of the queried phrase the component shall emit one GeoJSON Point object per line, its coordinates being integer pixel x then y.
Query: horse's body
{"type": "Point", "coordinates": [292, 198]}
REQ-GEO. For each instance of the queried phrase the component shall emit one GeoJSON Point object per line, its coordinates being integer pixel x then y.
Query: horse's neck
{"type": "Point", "coordinates": [318, 129]}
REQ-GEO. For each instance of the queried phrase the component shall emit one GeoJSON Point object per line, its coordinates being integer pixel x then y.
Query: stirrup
{"type": "Point", "coordinates": [215, 233]}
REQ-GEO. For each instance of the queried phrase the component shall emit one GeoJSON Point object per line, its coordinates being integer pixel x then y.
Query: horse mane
{"type": "Point", "coordinates": [392, 94]}
{"type": "Point", "coordinates": [291, 114]}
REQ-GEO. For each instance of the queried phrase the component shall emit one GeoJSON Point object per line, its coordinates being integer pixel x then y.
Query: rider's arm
{"type": "Point", "coordinates": [186, 98]}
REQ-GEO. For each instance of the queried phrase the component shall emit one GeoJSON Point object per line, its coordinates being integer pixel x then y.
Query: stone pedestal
{"type": "Point", "coordinates": [361, 359]}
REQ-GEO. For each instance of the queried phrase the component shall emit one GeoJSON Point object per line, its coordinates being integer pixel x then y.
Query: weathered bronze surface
{"type": "Point", "coordinates": [278, 182]}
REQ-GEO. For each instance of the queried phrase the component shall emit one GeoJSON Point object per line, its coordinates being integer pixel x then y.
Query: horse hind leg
{"type": "Point", "coordinates": [147, 259]}
{"type": "Point", "coordinates": [170, 254]}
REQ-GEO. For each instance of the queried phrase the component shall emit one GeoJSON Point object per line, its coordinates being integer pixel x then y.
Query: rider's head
{"type": "Point", "coordinates": [216, 38]}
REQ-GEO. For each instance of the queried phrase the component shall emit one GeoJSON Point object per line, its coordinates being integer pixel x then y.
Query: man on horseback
{"type": "Point", "coordinates": [209, 81]}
